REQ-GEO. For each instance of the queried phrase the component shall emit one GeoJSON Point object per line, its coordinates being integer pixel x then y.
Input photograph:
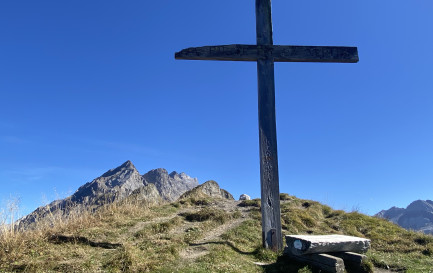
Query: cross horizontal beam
{"type": "Point", "coordinates": [279, 53]}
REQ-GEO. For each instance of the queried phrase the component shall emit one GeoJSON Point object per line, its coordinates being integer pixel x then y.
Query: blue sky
{"type": "Point", "coordinates": [87, 85]}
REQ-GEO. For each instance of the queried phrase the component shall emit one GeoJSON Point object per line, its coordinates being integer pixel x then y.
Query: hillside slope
{"type": "Point", "coordinates": [199, 233]}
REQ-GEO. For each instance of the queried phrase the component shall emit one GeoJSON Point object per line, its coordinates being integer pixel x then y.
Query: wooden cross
{"type": "Point", "coordinates": [265, 54]}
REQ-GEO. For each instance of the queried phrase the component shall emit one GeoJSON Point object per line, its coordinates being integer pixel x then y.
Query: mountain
{"type": "Point", "coordinates": [417, 216]}
{"type": "Point", "coordinates": [172, 185]}
{"type": "Point", "coordinates": [116, 185]}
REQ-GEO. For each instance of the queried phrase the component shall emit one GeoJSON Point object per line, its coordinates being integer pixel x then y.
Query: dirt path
{"type": "Point", "coordinates": [140, 225]}
{"type": "Point", "coordinates": [200, 247]}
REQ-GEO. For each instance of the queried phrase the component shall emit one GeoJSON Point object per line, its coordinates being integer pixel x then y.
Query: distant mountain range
{"type": "Point", "coordinates": [417, 216]}
{"type": "Point", "coordinates": [115, 185]}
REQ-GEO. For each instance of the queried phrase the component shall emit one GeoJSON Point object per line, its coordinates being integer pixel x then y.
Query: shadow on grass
{"type": "Point", "coordinates": [59, 239]}
{"type": "Point", "coordinates": [227, 244]}
{"type": "Point", "coordinates": [283, 263]}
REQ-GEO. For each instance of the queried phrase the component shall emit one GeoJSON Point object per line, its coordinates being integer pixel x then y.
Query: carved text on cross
{"type": "Point", "coordinates": [265, 54]}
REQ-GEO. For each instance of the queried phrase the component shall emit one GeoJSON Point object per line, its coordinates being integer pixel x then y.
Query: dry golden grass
{"type": "Point", "coordinates": [135, 236]}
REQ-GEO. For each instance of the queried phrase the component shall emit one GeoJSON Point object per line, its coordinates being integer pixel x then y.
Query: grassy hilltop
{"type": "Point", "coordinates": [198, 233]}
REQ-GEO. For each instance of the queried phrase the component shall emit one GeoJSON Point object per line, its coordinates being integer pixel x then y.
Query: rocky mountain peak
{"type": "Point", "coordinates": [420, 205]}
{"type": "Point", "coordinates": [172, 185]}
{"type": "Point", "coordinates": [115, 185]}
{"type": "Point", "coordinates": [127, 166]}
{"type": "Point", "coordinates": [417, 216]}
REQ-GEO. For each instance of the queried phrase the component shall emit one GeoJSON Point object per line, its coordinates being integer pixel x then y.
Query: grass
{"type": "Point", "coordinates": [155, 238]}
{"type": "Point", "coordinates": [218, 215]}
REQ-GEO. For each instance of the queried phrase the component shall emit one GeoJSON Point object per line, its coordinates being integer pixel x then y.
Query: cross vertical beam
{"type": "Point", "coordinates": [269, 179]}
{"type": "Point", "coordinates": [265, 54]}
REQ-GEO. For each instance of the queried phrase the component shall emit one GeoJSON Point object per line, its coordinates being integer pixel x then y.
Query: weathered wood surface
{"type": "Point", "coordinates": [279, 53]}
{"type": "Point", "coordinates": [307, 244]}
{"type": "Point", "coordinates": [264, 22]}
{"type": "Point", "coordinates": [324, 262]}
{"type": "Point", "coordinates": [269, 180]}
{"type": "Point", "coordinates": [353, 257]}
{"type": "Point", "coordinates": [353, 261]}
{"type": "Point", "coordinates": [270, 192]}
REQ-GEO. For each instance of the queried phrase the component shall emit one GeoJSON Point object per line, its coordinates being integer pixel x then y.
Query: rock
{"type": "Point", "coordinates": [209, 188]}
{"type": "Point", "coordinates": [244, 197]}
{"type": "Point", "coordinates": [170, 186]}
{"type": "Point", "coordinates": [417, 216]}
{"type": "Point", "coordinates": [149, 193]}
{"type": "Point", "coordinates": [114, 185]}
{"type": "Point", "coordinates": [393, 214]}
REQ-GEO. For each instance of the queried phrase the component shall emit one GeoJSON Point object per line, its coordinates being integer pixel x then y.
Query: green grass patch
{"type": "Point", "coordinates": [205, 214]}
{"type": "Point", "coordinates": [250, 203]}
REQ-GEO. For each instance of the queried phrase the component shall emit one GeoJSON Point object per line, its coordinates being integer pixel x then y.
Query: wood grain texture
{"type": "Point", "coordinates": [324, 262]}
{"type": "Point", "coordinates": [352, 261]}
{"type": "Point", "coordinates": [278, 53]}
{"type": "Point", "coordinates": [269, 178]}
{"type": "Point", "coordinates": [353, 257]}
{"type": "Point", "coordinates": [264, 22]}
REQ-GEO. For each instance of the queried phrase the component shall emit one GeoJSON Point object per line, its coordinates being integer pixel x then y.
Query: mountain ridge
{"type": "Point", "coordinates": [417, 216]}
{"type": "Point", "coordinates": [116, 184]}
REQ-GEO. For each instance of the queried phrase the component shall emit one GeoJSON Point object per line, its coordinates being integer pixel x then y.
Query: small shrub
{"type": "Point", "coordinates": [285, 196]}
{"type": "Point", "coordinates": [326, 210]}
{"type": "Point", "coordinates": [157, 228]}
{"type": "Point", "coordinates": [306, 205]}
{"type": "Point", "coordinates": [335, 213]}
{"type": "Point", "coordinates": [423, 240]}
{"type": "Point", "coordinates": [250, 203]}
{"type": "Point", "coordinates": [428, 252]}
{"type": "Point", "coordinates": [205, 214]}
{"type": "Point", "coordinates": [194, 201]}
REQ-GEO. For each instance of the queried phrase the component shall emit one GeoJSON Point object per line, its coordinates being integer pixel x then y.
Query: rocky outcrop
{"type": "Point", "coordinates": [417, 216]}
{"type": "Point", "coordinates": [148, 193]}
{"type": "Point", "coordinates": [170, 186]}
{"type": "Point", "coordinates": [209, 188]}
{"type": "Point", "coordinates": [244, 197]}
{"type": "Point", "coordinates": [115, 185]}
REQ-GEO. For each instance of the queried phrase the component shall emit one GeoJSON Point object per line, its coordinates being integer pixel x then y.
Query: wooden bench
{"type": "Point", "coordinates": [332, 253]}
